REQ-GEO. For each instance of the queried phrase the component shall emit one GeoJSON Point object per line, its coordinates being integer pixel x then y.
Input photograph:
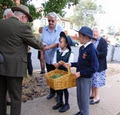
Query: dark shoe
{"type": "Point", "coordinates": [42, 72]}
{"type": "Point", "coordinates": [30, 75]}
{"type": "Point", "coordinates": [8, 103]}
{"type": "Point", "coordinates": [57, 106]}
{"type": "Point", "coordinates": [64, 108]}
{"type": "Point", "coordinates": [92, 102]}
{"type": "Point", "coordinates": [50, 96]}
{"type": "Point", "coordinates": [91, 97]}
{"type": "Point", "coordinates": [78, 113]}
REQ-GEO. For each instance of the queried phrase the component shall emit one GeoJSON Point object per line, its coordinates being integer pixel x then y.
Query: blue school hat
{"type": "Point", "coordinates": [86, 31]}
{"type": "Point", "coordinates": [69, 41]}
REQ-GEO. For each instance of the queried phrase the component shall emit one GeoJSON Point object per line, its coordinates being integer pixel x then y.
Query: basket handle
{"type": "Point", "coordinates": [68, 67]}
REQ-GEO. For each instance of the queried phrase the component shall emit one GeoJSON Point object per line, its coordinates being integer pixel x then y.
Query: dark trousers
{"type": "Point", "coordinates": [50, 67]}
{"type": "Point", "coordinates": [66, 94]}
{"type": "Point", "coordinates": [14, 87]}
{"type": "Point", "coordinates": [29, 64]}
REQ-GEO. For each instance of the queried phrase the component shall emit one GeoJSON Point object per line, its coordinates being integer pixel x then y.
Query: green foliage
{"type": "Point", "coordinates": [57, 6]}
{"type": "Point", "coordinates": [56, 76]}
{"type": "Point", "coordinates": [33, 12]}
{"type": "Point", "coordinates": [49, 6]}
{"type": "Point", "coordinates": [3, 5]}
{"type": "Point", "coordinates": [81, 18]}
{"type": "Point", "coordinates": [32, 8]}
{"type": "Point", "coordinates": [9, 3]}
{"type": "Point", "coordinates": [25, 1]}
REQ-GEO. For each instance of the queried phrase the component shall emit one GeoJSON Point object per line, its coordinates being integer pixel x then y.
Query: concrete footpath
{"type": "Point", "coordinates": [109, 101]}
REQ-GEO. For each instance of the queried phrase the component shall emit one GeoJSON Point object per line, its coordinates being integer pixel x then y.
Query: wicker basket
{"type": "Point", "coordinates": [67, 80]}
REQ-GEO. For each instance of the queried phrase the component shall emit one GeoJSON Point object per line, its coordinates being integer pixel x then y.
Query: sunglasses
{"type": "Point", "coordinates": [51, 21]}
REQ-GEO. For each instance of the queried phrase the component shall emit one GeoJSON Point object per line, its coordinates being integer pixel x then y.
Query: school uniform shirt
{"type": "Point", "coordinates": [71, 57]}
{"type": "Point", "coordinates": [87, 63]}
{"type": "Point", "coordinates": [66, 56]}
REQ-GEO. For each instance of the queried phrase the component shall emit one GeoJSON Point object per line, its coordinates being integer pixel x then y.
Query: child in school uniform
{"type": "Point", "coordinates": [65, 54]}
{"type": "Point", "coordinates": [86, 65]}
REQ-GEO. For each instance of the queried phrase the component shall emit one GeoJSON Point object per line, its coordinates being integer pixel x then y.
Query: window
{"type": "Point", "coordinates": [71, 25]}
{"type": "Point", "coordinates": [63, 24]}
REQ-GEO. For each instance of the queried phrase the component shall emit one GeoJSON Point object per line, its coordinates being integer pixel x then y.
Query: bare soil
{"type": "Point", "coordinates": [36, 85]}
{"type": "Point", "coordinates": [112, 68]}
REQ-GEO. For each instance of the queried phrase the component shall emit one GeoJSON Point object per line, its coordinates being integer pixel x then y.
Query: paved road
{"type": "Point", "coordinates": [36, 63]}
{"type": "Point", "coordinates": [109, 101]}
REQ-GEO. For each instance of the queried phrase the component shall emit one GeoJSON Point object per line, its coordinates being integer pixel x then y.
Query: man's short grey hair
{"type": "Point", "coordinates": [52, 14]}
{"type": "Point", "coordinates": [7, 11]}
{"type": "Point", "coordinates": [18, 13]}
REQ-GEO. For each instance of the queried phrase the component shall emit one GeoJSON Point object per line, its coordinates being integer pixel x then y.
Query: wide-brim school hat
{"type": "Point", "coordinates": [86, 31]}
{"type": "Point", "coordinates": [69, 41]}
{"type": "Point", "coordinates": [24, 9]}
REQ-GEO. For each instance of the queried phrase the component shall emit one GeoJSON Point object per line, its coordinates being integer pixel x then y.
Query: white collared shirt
{"type": "Point", "coordinates": [71, 58]}
{"type": "Point", "coordinates": [85, 45]}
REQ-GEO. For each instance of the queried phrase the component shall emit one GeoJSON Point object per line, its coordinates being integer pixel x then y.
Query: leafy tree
{"type": "Point", "coordinates": [111, 30]}
{"type": "Point", "coordinates": [33, 10]}
{"type": "Point", "coordinates": [58, 6]}
{"type": "Point", "coordinates": [81, 17]}
{"type": "Point", "coordinates": [3, 5]}
{"type": "Point", "coordinates": [9, 3]}
{"type": "Point", "coordinates": [51, 5]}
